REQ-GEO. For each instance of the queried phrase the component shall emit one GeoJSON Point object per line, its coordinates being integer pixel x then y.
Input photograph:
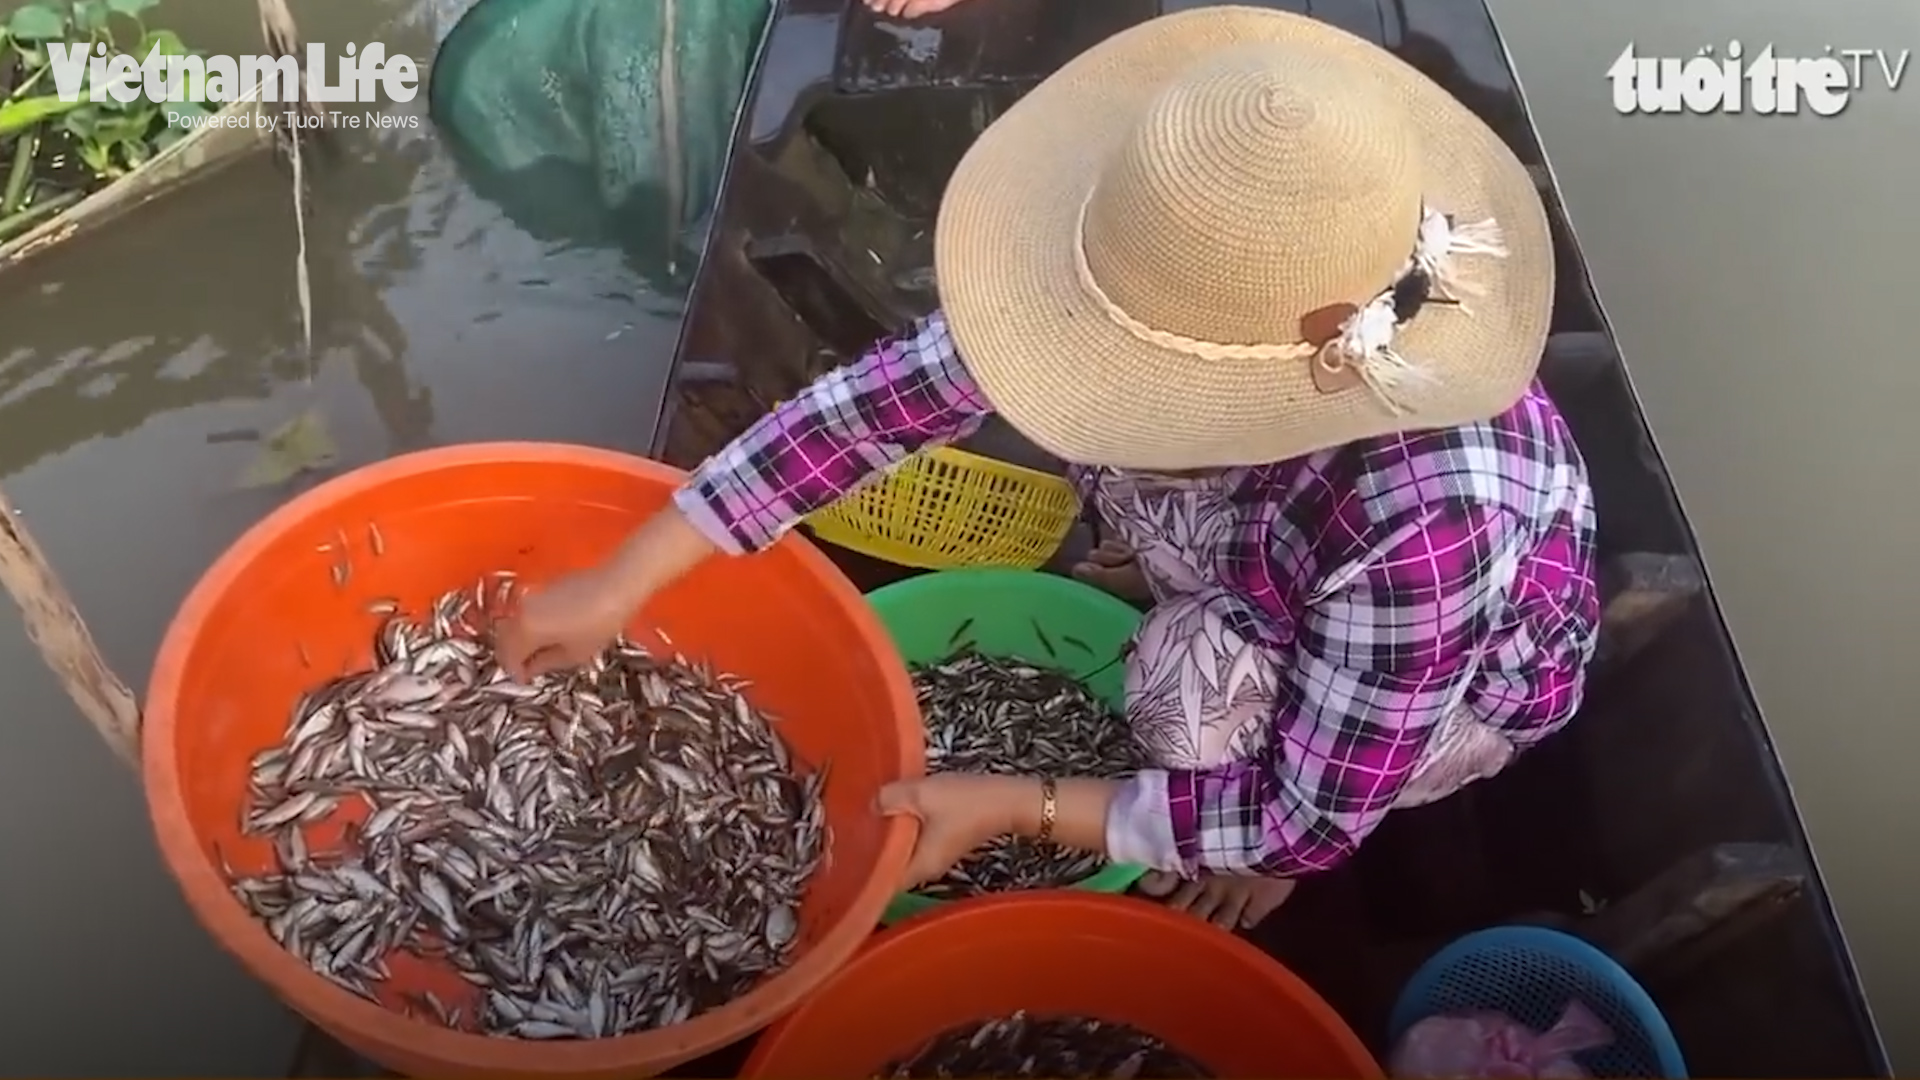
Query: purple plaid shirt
{"type": "Point", "coordinates": [1403, 577]}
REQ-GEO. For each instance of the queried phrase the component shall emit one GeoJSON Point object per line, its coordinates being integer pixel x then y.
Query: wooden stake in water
{"type": "Point", "coordinates": [61, 635]}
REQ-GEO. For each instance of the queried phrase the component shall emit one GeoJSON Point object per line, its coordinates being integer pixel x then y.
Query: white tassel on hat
{"type": "Point", "coordinates": [1365, 341]}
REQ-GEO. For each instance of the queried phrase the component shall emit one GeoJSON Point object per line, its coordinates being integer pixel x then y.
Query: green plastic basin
{"type": "Point", "coordinates": [1027, 615]}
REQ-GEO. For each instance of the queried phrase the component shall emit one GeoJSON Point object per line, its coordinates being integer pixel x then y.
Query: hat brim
{"type": "Point", "coordinates": [1086, 389]}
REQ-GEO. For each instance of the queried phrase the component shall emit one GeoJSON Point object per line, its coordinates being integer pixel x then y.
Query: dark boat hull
{"type": "Point", "coordinates": [1663, 802]}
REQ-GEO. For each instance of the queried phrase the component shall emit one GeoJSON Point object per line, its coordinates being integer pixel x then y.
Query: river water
{"type": "Point", "coordinates": [127, 360]}
{"type": "Point", "coordinates": [1758, 273]}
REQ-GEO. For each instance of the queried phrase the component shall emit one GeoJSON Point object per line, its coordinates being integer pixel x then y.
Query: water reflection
{"type": "Point", "coordinates": [138, 336]}
{"type": "Point", "coordinates": [129, 360]}
{"type": "Point", "coordinates": [99, 345]}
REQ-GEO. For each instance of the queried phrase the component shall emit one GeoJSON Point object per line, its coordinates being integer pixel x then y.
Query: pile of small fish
{"type": "Point", "coordinates": [597, 852]}
{"type": "Point", "coordinates": [1065, 1046]}
{"type": "Point", "coordinates": [991, 715]}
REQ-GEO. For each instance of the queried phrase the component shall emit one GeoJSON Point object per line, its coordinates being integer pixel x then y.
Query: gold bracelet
{"type": "Point", "coordinates": [1049, 809]}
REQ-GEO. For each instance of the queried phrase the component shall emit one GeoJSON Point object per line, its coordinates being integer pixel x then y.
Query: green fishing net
{"type": "Point", "coordinates": [599, 120]}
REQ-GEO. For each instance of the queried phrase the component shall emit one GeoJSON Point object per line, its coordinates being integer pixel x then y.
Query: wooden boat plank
{"type": "Point", "coordinates": [199, 154]}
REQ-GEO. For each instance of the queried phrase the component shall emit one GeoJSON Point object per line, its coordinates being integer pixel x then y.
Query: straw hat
{"type": "Point", "coordinates": [1207, 242]}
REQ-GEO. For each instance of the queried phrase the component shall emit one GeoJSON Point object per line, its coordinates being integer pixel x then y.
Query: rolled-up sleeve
{"type": "Point", "coordinates": [847, 429]}
{"type": "Point", "coordinates": [1372, 670]}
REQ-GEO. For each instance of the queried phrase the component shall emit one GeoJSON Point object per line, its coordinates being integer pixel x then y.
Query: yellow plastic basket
{"type": "Point", "coordinates": [945, 508]}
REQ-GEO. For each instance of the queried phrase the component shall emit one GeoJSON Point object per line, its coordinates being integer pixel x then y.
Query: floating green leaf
{"type": "Point", "coordinates": [80, 122]}
{"type": "Point", "coordinates": [301, 445]}
{"type": "Point", "coordinates": [97, 157]}
{"type": "Point", "coordinates": [131, 8]}
{"type": "Point", "coordinates": [187, 110]}
{"type": "Point", "coordinates": [91, 15]}
{"type": "Point", "coordinates": [168, 41]}
{"type": "Point", "coordinates": [37, 22]}
{"type": "Point", "coordinates": [18, 116]}
{"type": "Point", "coordinates": [124, 128]}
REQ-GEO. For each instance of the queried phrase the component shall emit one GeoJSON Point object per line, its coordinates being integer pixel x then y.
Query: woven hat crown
{"type": "Point", "coordinates": [1270, 183]}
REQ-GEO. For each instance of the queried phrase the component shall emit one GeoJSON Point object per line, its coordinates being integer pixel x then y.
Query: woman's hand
{"type": "Point", "coordinates": [562, 626]}
{"type": "Point", "coordinates": [908, 9]}
{"type": "Point", "coordinates": [958, 813]}
{"type": "Point", "coordinates": [568, 622]}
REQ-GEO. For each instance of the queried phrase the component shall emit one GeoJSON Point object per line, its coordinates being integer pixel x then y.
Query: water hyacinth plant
{"type": "Point", "coordinates": [55, 152]}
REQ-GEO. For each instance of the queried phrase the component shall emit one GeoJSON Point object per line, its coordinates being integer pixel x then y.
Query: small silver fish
{"type": "Point", "coordinates": [596, 853]}
{"type": "Point", "coordinates": [993, 715]}
{"type": "Point", "coordinates": [1054, 1046]}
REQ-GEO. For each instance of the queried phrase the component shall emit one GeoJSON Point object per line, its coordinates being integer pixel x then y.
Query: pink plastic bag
{"type": "Point", "coordinates": [1493, 1044]}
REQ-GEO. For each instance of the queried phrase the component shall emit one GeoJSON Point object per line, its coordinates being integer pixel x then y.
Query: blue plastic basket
{"type": "Point", "coordinates": [1531, 974]}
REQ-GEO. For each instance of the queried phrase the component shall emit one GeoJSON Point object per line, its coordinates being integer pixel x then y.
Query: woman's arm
{"type": "Point", "coordinates": [906, 394]}
{"type": "Point", "coordinates": [847, 429]}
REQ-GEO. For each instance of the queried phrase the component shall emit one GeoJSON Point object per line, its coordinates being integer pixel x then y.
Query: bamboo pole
{"type": "Point", "coordinates": [57, 630]}
{"type": "Point", "coordinates": [282, 37]}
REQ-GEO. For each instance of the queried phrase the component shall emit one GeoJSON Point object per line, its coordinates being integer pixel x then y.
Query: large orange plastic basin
{"type": "Point", "coordinates": [267, 622]}
{"type": "Point", "coordinates": [1064, 952]}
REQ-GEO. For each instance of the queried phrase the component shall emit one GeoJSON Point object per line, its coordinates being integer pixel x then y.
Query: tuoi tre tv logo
{"type": "Point", "coordinates": [1763, 82]}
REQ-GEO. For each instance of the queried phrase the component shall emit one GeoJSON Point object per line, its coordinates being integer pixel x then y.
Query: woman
{"type": "Point", "coordinates": [1283, 299]}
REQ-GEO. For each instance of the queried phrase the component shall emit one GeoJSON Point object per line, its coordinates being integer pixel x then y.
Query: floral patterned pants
{"type": "Point", "coordinates": [1200, 686]}
{"type": "Point", "coordinates": [1200, 694]}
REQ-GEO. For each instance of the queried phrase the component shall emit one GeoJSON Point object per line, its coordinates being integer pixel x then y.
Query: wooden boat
{"type": "Point", "coordinates": [1659, 826]}
{"type": "Point", "coordinates": [236, 133]}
